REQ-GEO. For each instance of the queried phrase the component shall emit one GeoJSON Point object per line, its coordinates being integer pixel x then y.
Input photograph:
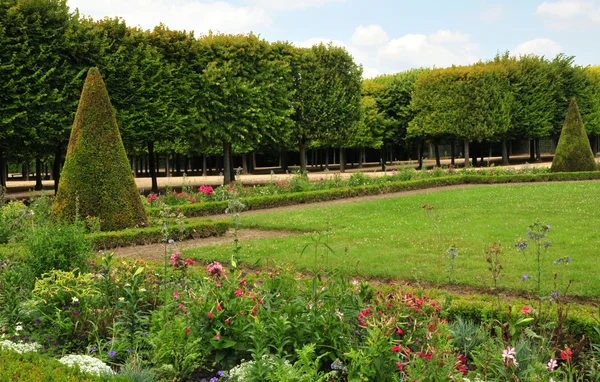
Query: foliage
{"type": "Point", "coordinates": [96, 179]}
{"type": "Point", "coordinates": [573, 152]}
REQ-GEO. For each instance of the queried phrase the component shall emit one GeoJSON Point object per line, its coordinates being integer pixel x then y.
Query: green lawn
{"type": "Point", "coordinates": [395, 238]}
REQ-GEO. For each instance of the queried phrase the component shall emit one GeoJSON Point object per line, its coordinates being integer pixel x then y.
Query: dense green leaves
{"type": "Point", "coordinates": [573, 152]}
{"type": "Point", "coordinates": [96, 178]}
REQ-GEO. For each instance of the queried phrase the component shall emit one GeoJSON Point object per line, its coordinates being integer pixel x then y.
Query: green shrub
{"type": "Point", "coordinates": [57, 246]}
{"type": "Point", "coordinates": [33, 367]}
{"type": "Point", "coordinates": [152, 235]}
{"type": "Point", "coordinates": [293, 198]}
{"type": "Point", "coordinates": [573, 152]}
{"type": "Point", "coordinates": [96, 179]}
{"type": "Point", "coordinates": [13, 218]}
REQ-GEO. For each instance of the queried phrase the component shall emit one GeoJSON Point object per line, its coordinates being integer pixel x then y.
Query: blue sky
{"type": "Point", "coordinates": [385, 36]}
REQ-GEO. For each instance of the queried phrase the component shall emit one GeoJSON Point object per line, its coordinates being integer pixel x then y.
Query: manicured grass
{"type": "Point", "coordinates": [397, 239]}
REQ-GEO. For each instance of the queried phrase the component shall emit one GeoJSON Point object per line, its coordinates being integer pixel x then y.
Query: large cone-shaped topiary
{"type": "Point", "coordinates": [96, 179]}
{"type": "Point", "coordinates": [573, 152]}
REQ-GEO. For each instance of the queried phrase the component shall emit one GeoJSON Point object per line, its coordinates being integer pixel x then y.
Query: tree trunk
{"type": "Point", "coordinates": [204, 165]}
{"type": "Point", "coordinates": [327, 158]}
{"type": "Point", "coordinates": [342, 159]}
{"type": "Point", "coordinates": [538, 150]}
{"type": "Point", "coordinates": [227, 165]}
{"type": "Point", "coordinates": [245, 163]}
{"type": "Point", "coordinates": [452, 152]}
{"type": "Point", "coordinates": [436, 147]}
{"type": "Point", "coordinates": [360, 157]}
{"type": "Point", "coordinates": [504, 152]}
{"type": "Point", "coordinates": [420, 154]}
{"type": "Point", "coordinates": [3, 174]}
{"type": "Point", "coordinates": [382, 158]}
{"type": "Point", "coordinates": [334, 153]}
{"type": "Point", "coordinates": [489, 153]}
{"type": "Point", "coordinates": [482, 151]}
{"type": "Point", "coordinates": [283, 156]}
{"type": "Point", "coordinates": [531, 150]}
{"type": "Point", "coordinates": [151, 163]}
{"type": "Point", "coordinates": [253, 161]}
{"type": "Point", "coordinates": [467, 164]}
{"type": "Point", "coordinates": [57, 168]}
{"type": "Point", "coordinates": [38, 174]}
{"type": "Point", "coordinates": [167, 166]}
{"type": "Point", "coordinates": [303, 158]}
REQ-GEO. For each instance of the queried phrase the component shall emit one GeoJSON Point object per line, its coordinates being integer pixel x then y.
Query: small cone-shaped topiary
{"type": "Point", "coordinates": [573, 152]}
{"type": "Point", "coordinates": [96, 179]}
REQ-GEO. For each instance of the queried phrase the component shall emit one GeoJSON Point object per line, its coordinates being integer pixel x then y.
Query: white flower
{"type": "Point", "coordinates": [18, 328]}
{"type": "Point", "coordinates": [75, 299]}
{"type": "Point", "coordinates": [552, 364]}
{"type": "Point", "coordinates": [508, 356]}
{"type": "Point", "coordinates": [20, 347]}
{"type": "Point", "coordinates": [142, 289]}
{"type": "Point", "coordinates": [127, 285]}
{"type": "Point", "coordinates": [87, 364]}
{"type": "Point", "coordinates": [121, 299]}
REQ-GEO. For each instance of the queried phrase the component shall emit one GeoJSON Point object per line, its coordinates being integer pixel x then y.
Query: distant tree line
{"type": "Point", "coordinates": [177, 95]}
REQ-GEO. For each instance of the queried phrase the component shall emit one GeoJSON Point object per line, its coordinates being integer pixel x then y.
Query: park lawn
{"type": "Point", "coordinates": [397, 238]}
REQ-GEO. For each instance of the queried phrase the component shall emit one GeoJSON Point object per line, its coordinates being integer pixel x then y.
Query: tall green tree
{"type": "Point", "coordinates": [246, 93]}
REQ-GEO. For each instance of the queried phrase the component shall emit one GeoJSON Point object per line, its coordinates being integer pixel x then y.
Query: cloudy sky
{"type": "Point", "coordinates": [385, 36]}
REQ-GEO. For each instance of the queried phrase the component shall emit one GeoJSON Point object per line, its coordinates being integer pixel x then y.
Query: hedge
{"type": "Point", "coordinates": [152, 235]}
{"type": "Point", "coordinates": [280, 200]}
{"type": "Point", "coordinates": [34, 367]}
{"type": "Point", "coordinates": [581, 319]}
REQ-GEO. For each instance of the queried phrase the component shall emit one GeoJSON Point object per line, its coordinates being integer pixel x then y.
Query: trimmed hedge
{"type": "Point", "coordinates": [573, 152]}
{"type": "Point", "coordinates": [96, 179]}
{"type": "Point", "coordinates": [280, 200]}
{"type": "Point", "coordinates": [479, 308]}
{"type": "Point", "coordinates": [153, 235]}
{"type": "Point", "coordinates": [33, 367]}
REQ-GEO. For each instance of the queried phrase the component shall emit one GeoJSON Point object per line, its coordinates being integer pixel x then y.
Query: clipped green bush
{"type": "Point", "coordinates": [294, 198]}
{"type": "Point", "coordinates": [573, 152]}
{"type": "Point", "coordinates": [96, 179]}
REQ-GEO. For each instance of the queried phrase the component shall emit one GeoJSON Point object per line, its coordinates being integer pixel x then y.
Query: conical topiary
{"type": "Point", "coordinates": [573, 152]}
{"type": "Point", "coordinates": [96, 179]}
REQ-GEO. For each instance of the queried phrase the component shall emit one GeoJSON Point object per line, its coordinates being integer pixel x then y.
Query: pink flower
{"type": "Point", "coordinates": [176, 295]}
{"type": "Point", "coordinates": [217, 337]}
{"type": "Point", "coordinates": [219, 307]}
{"type": "Point", "coordinates": [526, 310]}
{"type": "Point", "coordinates": [552, 364]}
{"type": "Point", "coordinates": [238, 293]}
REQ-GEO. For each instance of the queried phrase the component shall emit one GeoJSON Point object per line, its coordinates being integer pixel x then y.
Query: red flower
{"type": "Point", "coordinates": [396, 349]}
{"type": "Point", "coordinates": [190, 261]}
{"type": "Point", "coordinates": [526, 310]}
{"type": "Point", "coordinates": [219, 307]}
{"type": "Point", "coordinates": [399, 332]}
{"type": "Point", "coordinates": [210, 314]}
{"type": "Point", "coordinates": [432, 327]}
{"type": "Point", "coordinates": [187, 330]}
{"type": "Point", "coordinates": [400, 366]}
{"type": "Point", "coordinates": [238, 293]}
{"type": "Point", "coordinates": [227, 321]}
{"type": "Point", "coordinates": [566, 354]}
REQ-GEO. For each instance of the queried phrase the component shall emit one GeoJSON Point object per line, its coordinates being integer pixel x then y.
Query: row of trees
{"type": "Point", "coordinates": [508, 98]}
{"type": "Point", "coordinates": [172, 92]}
{"type": "Point", "coordinates": [219, 94]}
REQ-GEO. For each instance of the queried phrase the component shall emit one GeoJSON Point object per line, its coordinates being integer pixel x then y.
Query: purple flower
{"type": "Point", "coordinates": [214, 379]}
{"type": "Point", "coordinates": [129, 350]}
{"type": "Point", "coordinates": [93, 349]}
{"type": "Point", "coordinates": [221, 373]}
{"type": "Point", "coordinates": [112, 353]}
{"type": "Point", "coordinates": [525, 277]}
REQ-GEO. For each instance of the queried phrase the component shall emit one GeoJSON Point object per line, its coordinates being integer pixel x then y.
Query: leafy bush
{"type": "Point", "coordinates": [573, 152]}
{"type": "Point", "coordinates": [13, 218]}
{"type": "Point", "coordinates": [34, 367]}
{"type": "Point", "coordinates": [96, 179]}
{"type": "Point", "coordinates": [59, 246]}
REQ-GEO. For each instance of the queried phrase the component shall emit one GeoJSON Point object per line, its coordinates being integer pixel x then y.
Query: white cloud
{"type": "Point", "coordinates": [179, 14]}
{"type": "Point", "coordinates": [446, 36]}
{"type": "Point", "coordinates": [569, 13]}
{"type": "Point", "coordinates": [287, 5]}
{"type": "Point", "coordinates": [539, 46]}
{"type": "Point", "coordinates": [418, 50]}
{"type": "Point", "coordinates": [370, 72]}
{"type": "Point", "coordinates": [564, 8]}
{"type": "Point", "coordinates": [493, 13]}
{"type": "Point", "coordinates": [371, 35]}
